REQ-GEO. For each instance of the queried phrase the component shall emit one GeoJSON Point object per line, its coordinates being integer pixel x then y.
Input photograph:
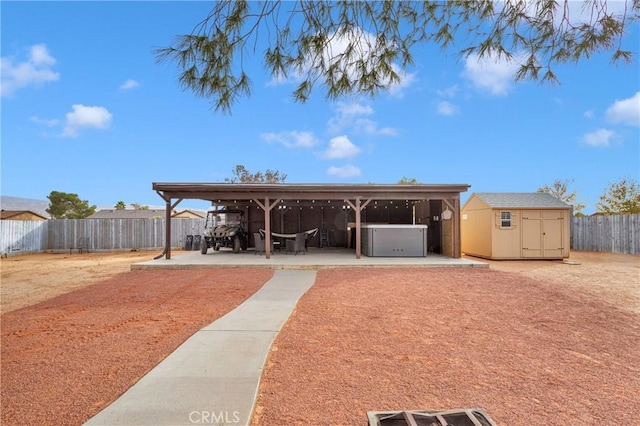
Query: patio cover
{"type": "Point", "coordinates": [268, 196]}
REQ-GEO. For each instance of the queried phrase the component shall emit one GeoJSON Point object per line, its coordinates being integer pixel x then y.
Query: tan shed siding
{"type": "Point", "coordinates": [506, 242]}
{"type": "Point", "coordinates": [476, 229]}
{"type": "Point", "coordinates": [565, 244]}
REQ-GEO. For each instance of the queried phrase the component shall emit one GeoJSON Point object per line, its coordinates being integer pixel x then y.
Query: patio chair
{"type": "Point", "coordinates": [259, 243]}
{"type": "Point", "coordinates": [82, 245]}
{"type": "Point", "coordinates": [300, 243]}
{"type": "Point", "coordinates": [324, 238]}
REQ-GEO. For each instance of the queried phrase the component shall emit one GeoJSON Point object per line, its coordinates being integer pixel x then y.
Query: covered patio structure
{"type": "Point", "coordinates": [339, 208]}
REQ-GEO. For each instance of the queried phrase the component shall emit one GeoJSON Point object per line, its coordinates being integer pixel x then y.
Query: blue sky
{"type": "Point", "coordinates": [86, 109]}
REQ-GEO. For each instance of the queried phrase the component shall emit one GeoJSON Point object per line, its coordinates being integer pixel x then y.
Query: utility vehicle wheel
{"type": "Point", "coordinates": [236, 244]}
{"type": "Point", "coordinates": [244, 244]}
{"type": "Point", "coordinates": [203, 246]}
{"type": "Point", "coordinates": [217, 247]}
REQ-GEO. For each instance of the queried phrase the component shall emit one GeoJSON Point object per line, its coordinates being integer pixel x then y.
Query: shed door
{"type": "Point", "coordinates": [531, 234]}
{"type": "Point", "coordinates": [552, 225]}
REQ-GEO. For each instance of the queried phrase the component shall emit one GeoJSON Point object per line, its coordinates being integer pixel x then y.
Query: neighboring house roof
{"type": "Point", "coordinates": [143, 214]}
{"type": "Point", "coordinates": [9, 214]}
{"type": "Point", "coordinates": [512, 200]}
{"type": "Point", "coordinates": [128, 214]}
{"type": "Point", "coordinates": [193, 214]}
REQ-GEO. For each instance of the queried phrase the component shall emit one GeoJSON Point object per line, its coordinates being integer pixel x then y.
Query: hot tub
{"type": "Point", "coordinates": [394, 240]}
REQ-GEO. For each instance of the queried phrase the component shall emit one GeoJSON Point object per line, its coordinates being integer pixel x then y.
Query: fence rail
{"type": "Point", "coordinates": [613, 234]}
{"type": "Point", "coordinates": [102, 234]}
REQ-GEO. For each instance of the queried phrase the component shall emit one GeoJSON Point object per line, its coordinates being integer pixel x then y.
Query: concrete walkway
{"type": "Point", "coordinates": [213, 377]}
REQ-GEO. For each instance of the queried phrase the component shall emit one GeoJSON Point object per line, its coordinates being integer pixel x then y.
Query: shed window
{"type": "Point", "coordinates": [505, 219]}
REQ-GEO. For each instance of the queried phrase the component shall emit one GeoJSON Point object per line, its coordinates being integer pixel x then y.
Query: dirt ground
{"type": "Point", "coordinates": [609, 277]}
{"type": "Point", "coordinates": [28, 279]}
{"type": "Point", "coordinates": [32, 278]}
{"type": "Point", "coordinates": [527, 351]}
{"type": "Point", "coordinates": [533, 343]}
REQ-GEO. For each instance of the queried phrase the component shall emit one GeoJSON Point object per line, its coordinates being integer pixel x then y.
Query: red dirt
{"type": "Point", "coordinates": [65, 359]}
{"type": "Point", "coordinates": [534, 343]}
{"type": "Point", "coordinates": [525, 351]}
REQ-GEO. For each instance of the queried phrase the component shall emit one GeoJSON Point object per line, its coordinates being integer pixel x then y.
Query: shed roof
{"type": "Point", "coordinates": [511, 200]}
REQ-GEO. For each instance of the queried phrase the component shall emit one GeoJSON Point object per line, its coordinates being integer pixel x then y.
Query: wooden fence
{"type": "Point", "coordinates": [613, 234]}
{"type": "Point", "coordinates": [103, 234]}
{"type": "Point", "coordinates": [22, 236]}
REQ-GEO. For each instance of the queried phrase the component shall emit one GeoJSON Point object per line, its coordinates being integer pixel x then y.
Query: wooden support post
{"type": "Point", "coordinates": [167, 231]}
{"type": "Point", "coordinates": [457, 250]}
{"type": "Point", "coordinates": [267, 207]}
{"type": "Point", "coordinates": [358, 231]}
{"type": "Point", "coordinates": [454, 205]}
{"type": "Point", "coordinates": [267, 229]}
{"type": "Point", "coordinates": [358, 209]}
{"type": "Point", "coordinates": [167, 224]}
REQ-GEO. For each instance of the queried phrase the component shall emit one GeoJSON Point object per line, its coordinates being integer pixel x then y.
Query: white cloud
{"type": "Point", "coordinates": [129, 84]}
{"type": "Point", "coordinates": [449, 92]}
{"type": "Point", "coordinates": [36, 70]}
{"type": "Point", "coordinates": [490, 74]}
{"type": "Point", "coordinates": [397, 90]}
{"type": "Point", "coordinates": [341, 147]}
{"type": "Point", "coordinates": [354, 109]}
{"type": "Point", "coordinates": [344, 171]}
{"type": "Point", "coordinates": [44, 121]}
{"type": "Point", "coordinates": [578, 12]}
{"type": "Point", "coordinates": [589, 114]}
{"type": "Point", "coordinates": [370, 127]}
{"type": "Point", "coordinates": [345, 116]}
{"type": "Point", "coordinates": [447, 109]}
{"type": "Point", "coordinates": [599, 138]}
{"type": "Point", "coordinates": [349, 116]}
{"type": "Point", "coordinates": [626, 111]}
{"type": "Point", "coordinates": [367, 48]}
{"type": "Point", "coordinates": [291, 139]}
{"type": "Point", "coordinates": [90, 117]}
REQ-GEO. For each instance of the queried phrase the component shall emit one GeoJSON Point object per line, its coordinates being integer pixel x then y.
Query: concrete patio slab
{"type": "Point", "coordinates": [314, 259]}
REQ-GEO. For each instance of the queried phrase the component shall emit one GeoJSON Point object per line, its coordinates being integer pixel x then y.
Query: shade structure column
{"type": "Point", "coordinates": [357, 207]}
{"type": "Point", "coordinates": [267, 207]}
{"type": "Point", "coordinates": [167, 224]}
{"type": "Point", "coordinates": [454, 205]}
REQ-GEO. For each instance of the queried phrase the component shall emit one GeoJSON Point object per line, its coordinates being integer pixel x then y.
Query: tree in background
{"type": "Point", "coordinates": [560, 190]}
{"type": "Point", "coordinates": [68, 206]}
{"type": "Point", "coordinates": [621, 197]}
{"type": "Point", "coordinates": [408, 181]}
{"type": "Point", "coordinates": [137, 206]}
{"type": "Point", "coordinates": [242, 175]}
{"type": "Point", "coordinates": [365, 47]}
{"type": "Point", "coordinates": [120, 205]}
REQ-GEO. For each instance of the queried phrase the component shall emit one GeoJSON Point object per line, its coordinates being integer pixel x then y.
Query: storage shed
{"type": "Point", "coordinates": [515, 226]}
